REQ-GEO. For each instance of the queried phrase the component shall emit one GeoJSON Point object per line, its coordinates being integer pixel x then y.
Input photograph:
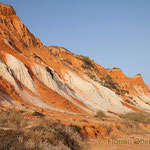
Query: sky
{"type": "Point", "coordinates": [114, 33]}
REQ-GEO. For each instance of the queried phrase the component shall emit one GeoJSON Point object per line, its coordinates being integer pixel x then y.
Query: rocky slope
{"type": "Point", "coordinates": [52, 79]}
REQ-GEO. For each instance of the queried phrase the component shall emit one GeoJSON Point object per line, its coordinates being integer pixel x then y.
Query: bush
{"type": "Point", "coordinates": [128, 101]}
{"type": "Point", "coordinates": [109, 129]}
{"type": "Point", "coordinates": [109, 83]}
{"type": "Point", "coordinates": [38, 114]}
{"type": "Point", "coordinates": [67, 61]}
{"type": "Point", "coordinates": [45, 135]}
{"type": "Point", "coordinates": [100, 114]}
{"type": "Point", "coordinates": [75, 128]}
{"type": "Point", "coordinates": [123, 92]}
{"type": "Point", "coordinates": [137, 117]}
{"type": "Point", "coordinates": [132, 127]}
{"type": "Point", "coordinates": [12, 119]}
{"type": "Point", "coordinates": [9, 140]}
{"type": "Point", "coordinates": [91, 75]}
{"type": "Point", "coordinates": [87, 62]}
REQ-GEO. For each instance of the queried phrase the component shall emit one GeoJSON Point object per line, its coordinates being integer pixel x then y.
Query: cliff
{"type": "Point", "coordinates": [35, 77]}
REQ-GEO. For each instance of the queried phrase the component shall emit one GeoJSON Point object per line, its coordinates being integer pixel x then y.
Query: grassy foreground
{"type": "Point", "coordinates": [16, 132]}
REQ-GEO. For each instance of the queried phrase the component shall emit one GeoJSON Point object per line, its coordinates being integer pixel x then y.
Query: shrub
{"type": "Point", "coordinates": [87, 62]}
{"type": "Point", "coordinates": [9, 140]}
{"type": "Point", "coordinates": [75, 128]}
{"type": "Point", "coordinates": [128, 101]}
{"type": "Point", "coordinates": [91, 75]}
{"type": "Point", "coordinates": [84, 121]}
{"type": "Point", "coordinates": [35, 56]}
{"type": "Point", "coordinates": [38, 114]}
{"type": "Point", "coordinates": [45, 135]}
{"type": "Point", "coordinates": [108, 82]}
{"type": "Point", "coordinates": [84, 67]}
{"type": "Point", "coordinates": [137, 117]}
{"type": "Point", "coordinates": [50, 134]}
{"type": "Point", "coordinates": [109, 130]}
{"type": "Point", "coordinates": [123, 92]}
{"type": "Point", "coordinates": [132, 127]}
{"type": "Point", "coordinates": [100, 114]}
{"type": "Point", "coordinates": [12, 119]}
{"type": "Point", "coordinates": [67, 61]}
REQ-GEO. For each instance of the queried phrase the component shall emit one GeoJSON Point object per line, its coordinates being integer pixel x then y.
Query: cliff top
{"type": "Point", "coordinates": [6, 10]}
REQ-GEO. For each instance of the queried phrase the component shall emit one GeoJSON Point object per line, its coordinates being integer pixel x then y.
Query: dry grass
{"type": "Point", "coordinates": [100, 114]}
{"type": "Point", "coordinates": [133, 128]}
{"type": "Point", "coordinates": [131, 121]}
{"type": "Point", "coordinates": [136, 117]}
{"type": "Point", "coordinates": [44, 135]}
{"type": "Point", "coordinates": [12, 119]}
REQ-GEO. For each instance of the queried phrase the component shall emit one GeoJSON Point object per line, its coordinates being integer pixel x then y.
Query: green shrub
{"type": "Point", "coordinates": [109, 83]}
{"type": "Point", "coordinates": [75, 128]}
{"type": "Point", "coordinates": [87, 62]}
{"type": "Point", "coordinates": [84, 67]}
{"type": "Point", "coordinates": [91, 75]}
{"type": "Point", "coordinates": [67, 61]}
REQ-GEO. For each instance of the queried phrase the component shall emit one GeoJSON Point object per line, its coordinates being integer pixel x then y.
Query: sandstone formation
{"type": "Point", "coordinates": [35, 77]}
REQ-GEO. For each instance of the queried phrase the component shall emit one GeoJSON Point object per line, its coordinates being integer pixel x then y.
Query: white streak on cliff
{"type": "Point", "coordinates": [52, 80]}
{"type": "Point", "coordinates": [20, 72]}
{"type": "Point", "coordinates": [95, 93]}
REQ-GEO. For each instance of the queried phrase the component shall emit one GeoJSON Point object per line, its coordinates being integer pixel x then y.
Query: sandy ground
{"type": "Point", "coordinates": [134, 143]}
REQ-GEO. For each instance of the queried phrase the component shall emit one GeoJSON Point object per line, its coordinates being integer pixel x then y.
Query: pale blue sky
{"type": "Point", "coordinates": [115, 33]}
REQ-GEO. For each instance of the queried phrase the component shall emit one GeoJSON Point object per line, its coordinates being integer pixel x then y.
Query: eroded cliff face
{"type": "Point", "coordinates": [6, 10]}
{"type": "Point", "coordinates": [34, 77]}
